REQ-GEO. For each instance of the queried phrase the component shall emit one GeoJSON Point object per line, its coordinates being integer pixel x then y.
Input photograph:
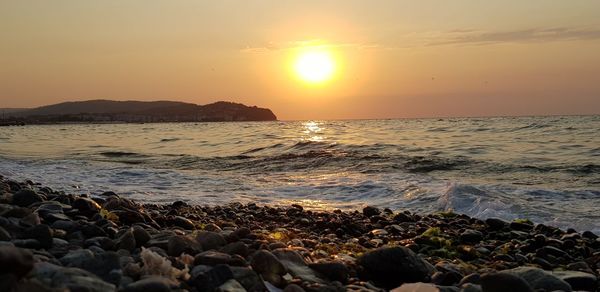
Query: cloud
{"type": "Point", "coordinates": [533, 35]}
{"type": "Point", "coordinates": [316, 43]}
{"type": "Point", "coordinates": [439, 38]}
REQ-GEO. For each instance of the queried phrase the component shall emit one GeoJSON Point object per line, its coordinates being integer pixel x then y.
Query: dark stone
{"type": "Point", "coordinates": [141, 235]}
{"type": "Point", "coordinates": [42, 233]}
{"type": "Point", "coordinates": [471, 236]}
{"type": "Point", "coordinates": [100, 241]}
{"type": "Point", "coordinates": [589, 235]}
{"type": "Point", "coordinates": [26, 197]}
{"type": "Point", "coordinates": [503, 282]}
{"type": "Point", "coordinates": [264, 262]}
{"type": "Point", "coordinates": [237, 247]}
{"type": "Point", "coordinates": [403, 217]}
{"type": "Point", "coordinates": [183, 223]}
{"type": "Point", "coordinates": [86, 206]}
{"type": "Point", "coordinates": [390, 267]}
{"type": "Point", "coordinates": [248, 278]}
{"type": "Point", "coordinates": [212, 279]}
{"type": "Point", "coordinates": [495, 223]}
{"type": "Point", "coordinates": [99, 264]}
{"type": "Point", "coordinates": [539, 279]}
{"type": "Point", "coordinates": [212, 258]}
{"type": "Point", "coordinates": [521, 226]}
{"type": "Point", "coordinates": [179, 244]}
{"type": "Point", "coordinates": [370, 211]}
{"type": "Point", "coordinates": [4, 235]}
{"type": "Point", "coordinates": [578, 280]}
{"type": "Point", "coordinates": [15, 261]}
{"type": "Point", "coordinates": [210, 240]}
{"type": "Point", "coordinates": [126, 241]}
{"type": "Point", "coordinates": [334, 271]}
{"type": "Point", "coordinates": [151, 284]}
{"type": "Point", "coordinates": [92, 230]}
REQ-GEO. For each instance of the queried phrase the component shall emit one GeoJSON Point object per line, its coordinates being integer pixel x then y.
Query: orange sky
{"type": "Point", "coordinates": [393, 58]}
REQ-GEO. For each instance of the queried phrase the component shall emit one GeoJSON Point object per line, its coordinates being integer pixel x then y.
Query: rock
{"type": "Point", "coordinates": [503, 282]}
{"type": "Point", "coordinates": [126, 241]}
{"type": "Point", "coordinates": [293, 288]}
{"type": "Point", "coordinates": [231, 286]}
{"type": "Point", "coordinates": [468, 287]}
{"type": "Point", "coordinates": [416, 287]}
{"type": "Point", "coordinates": [539, 279]}
{"type": "Point", "coordinates": [495, 223]}
{"type": "Point", "coordinates": [150, 284]}
{"type": "Point", "coordinates": [334, 271]}
{"type": "Point", "coordinates": [100, 241]}
{"type": "Point", "coordinates": [295, 265]}
{"type": "Point", "coordinates": [210, 240]}
{"type": "Point", "coordinates": [42, 233]}
{"type": "Point", "coordinates": [403, 217]}
{"type": "Point", "coordinates": [248, 278]}
{"type": "Point", "coordinates": [141, 235]}
{"type": "Point", "coordinates": [212, 279]}
{"type": "Point", "coordinates": [86, 206]}
{"type": "Point", "coordinates": [4, 235]}
{"type": "Point", "coordinates": [578, 280]}
{"type": "Point", "coordinates": [15, 261]}
{"type": "Point", "coordinates": [212, 258]}
{"type": "Point", "coordinates": [370, 211]}
{"type": "Point", "coordinates": [471, 236]}
{"type": "Point", "coordinates": [183, 223]}
{"type": "Point", "coordinates": [237, 247]}
{"type": "Point", "coordinates": [179, 244]}
{"type": "Point", "coordinates": [73, 279]}
{"type": "Point", "coordinates": [521, 226]}
{"type": "Point", "coordinates": [264, 262]}
{"type": "Point", "coordinates": [26, 197]}
{"type": "Point", "coordinates": [100, 265]}
{"type": "Point", "coordinates": [393, 266]}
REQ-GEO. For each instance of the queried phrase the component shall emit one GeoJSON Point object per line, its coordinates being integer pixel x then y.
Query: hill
{"type": "Point", "coordinates": [140, 111]}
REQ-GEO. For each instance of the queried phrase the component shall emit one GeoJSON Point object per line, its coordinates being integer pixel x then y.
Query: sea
{"type": "Point", "coordinates": [546, 169]}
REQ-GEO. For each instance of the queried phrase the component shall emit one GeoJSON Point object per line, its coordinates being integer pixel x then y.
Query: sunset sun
{"type": "Point", "coordinates": [314, 66]}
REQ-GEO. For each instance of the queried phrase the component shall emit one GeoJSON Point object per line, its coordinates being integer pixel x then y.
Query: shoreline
{"type": "Point", "coordinates": [50, 239]}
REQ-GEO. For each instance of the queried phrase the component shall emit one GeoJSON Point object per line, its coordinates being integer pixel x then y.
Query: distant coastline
{"type": "Point", "coordinates": [108, 111]}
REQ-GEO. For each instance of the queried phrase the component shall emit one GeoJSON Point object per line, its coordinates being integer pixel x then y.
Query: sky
{"type": "Point", "coordinates": [392, 59]}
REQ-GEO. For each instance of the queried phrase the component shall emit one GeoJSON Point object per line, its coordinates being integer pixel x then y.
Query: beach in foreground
{"type": "Point", "coordinates": [53, 241]}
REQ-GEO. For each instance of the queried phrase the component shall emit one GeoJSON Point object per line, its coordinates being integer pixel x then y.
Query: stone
{"type": "Point", "coordinates": [471, 236]}
{"type": "Point", "coordinates": [468, 287]}
{"type": "Point", "coordinates": [4, 235]}
{"type": "Point", "coordinates": [390, 267]}
{"type": "Point", "coordinates": [179, 244]}
{"type": "Point", "coordinates": [539, 279]}
{"type": "Point", "coordinates": [15, 261]}
{"type": "Point", "coordinates": [210, 240]}
{"type": "Point", "coordinates": [231, 286]}
{"type": "Point", "coordinates": [86, 206]}
{"type": "Point", "coordinates": [150, 284]}
{"type": "Point", "coordinates": [416, 287]}
{"type": "Point", "coordinates": [212, 279]}
{"type": "Point", "coordinates": [141, 235]}
{"type": "Point", "coordinates": [183, 223]}
{"type": "Point", "coordinates": [264, 262]}
{"type": "Point", "coordinates": [334, 271]}
{"type": "Point", "coordinates": [42, 233]}
{"type": "Point", "coordinates": [370, 211]}
{"type": "Point", "coordinates": [578, 280]}
{"type": "Point", "coordinates": [295, 265]}
{"type": "Point", "coordinates": [293, 288]}
{"type": "Point", "coordinates": [495, 223]}
{"type": "Point", "coordinates": [100, 265]}
{"type": "Point", "coordinates": [73, 279]}
{"type": "Point", "coordinates": [26, 197]}
{"type": "Point", "coordinates": [503, 282]}
{"type": "Point", "coordinates": [237, 247]}
{"type": "Point", "coordinates": [212, 258]}
{"type": "Point", "coordinates": [126, 241]}
{"type": "Point", "coordinates": [248, 278]}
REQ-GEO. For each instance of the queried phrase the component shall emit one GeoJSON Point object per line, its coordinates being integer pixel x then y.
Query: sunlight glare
{"type": "Point", "coordinates": [315, 66]}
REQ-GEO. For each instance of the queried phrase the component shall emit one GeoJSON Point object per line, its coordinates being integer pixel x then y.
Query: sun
{"type": "Point", "coordinates": [314, 66]}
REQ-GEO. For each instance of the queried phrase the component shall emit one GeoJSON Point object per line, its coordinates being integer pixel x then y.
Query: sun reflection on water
{"type": "Point", "coordinates": [312, 129]}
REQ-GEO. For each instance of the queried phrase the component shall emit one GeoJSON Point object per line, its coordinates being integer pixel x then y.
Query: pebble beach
{"type": "Point", "coordinates": [57, 241]}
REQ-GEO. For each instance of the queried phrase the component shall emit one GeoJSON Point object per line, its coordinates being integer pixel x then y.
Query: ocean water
{"type": "Point", "coordinates": [546, 169]}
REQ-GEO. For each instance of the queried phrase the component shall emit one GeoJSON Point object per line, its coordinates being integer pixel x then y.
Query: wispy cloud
{"type": "Point", "coordinates": [440, 38]}
{"type": "Point", "coordinates": [533, 35]}
{"type": "Point", "coordinates": [272, 46]}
